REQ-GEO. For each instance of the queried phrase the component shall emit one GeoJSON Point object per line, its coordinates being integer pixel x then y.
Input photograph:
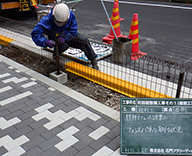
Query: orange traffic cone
{"type": "Point", "coordinates": [115, 20]}
{"type": "Point", "coordinates": [134, 35]}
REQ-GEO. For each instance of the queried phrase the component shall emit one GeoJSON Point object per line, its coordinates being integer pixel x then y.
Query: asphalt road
{"type": "Point", "coordinates": [164, 32]}
{"type": "Point", "coordinates": [164, 28]}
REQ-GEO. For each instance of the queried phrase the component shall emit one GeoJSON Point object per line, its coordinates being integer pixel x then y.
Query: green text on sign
{"type": "Point", "coordinates": [156, 126]}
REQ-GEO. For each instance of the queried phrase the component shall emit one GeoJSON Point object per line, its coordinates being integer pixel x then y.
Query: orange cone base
{"type": "Point", "coordinates": [109, 38]}
{"type": "Point", "coordinates": [135, 56]}
{"type": "Point", "coordinates": [36, 7]}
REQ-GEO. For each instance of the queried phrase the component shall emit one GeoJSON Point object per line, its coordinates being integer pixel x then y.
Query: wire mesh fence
{"type": "Point", "coordinates": [144, 77]}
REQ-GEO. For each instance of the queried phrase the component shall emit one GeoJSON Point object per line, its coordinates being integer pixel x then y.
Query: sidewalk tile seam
{"type": "Point", "coordinates": [84, 115]}
{"type": "Point", "coordinates": [48, 81]}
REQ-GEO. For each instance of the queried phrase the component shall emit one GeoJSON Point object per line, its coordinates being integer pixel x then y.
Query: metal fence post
{"type": "Point", "coordinates": [181, 75]}
{"type": "Point", "coordinates": [57, 54]}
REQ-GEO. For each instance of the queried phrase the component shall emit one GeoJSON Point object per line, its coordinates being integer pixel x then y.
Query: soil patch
{"type": "Point", "coordinates": [84, 86]}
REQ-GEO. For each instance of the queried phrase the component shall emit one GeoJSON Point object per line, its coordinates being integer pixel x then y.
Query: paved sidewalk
{"type": "Point", "coordinates": [39, 116]}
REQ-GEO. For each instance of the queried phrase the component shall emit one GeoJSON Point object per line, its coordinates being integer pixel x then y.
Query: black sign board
{"type": "Point", "coordinates": [156, 126]}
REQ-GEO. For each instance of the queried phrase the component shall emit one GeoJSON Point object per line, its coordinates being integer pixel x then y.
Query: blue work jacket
{"type": "Point", "coordinates": [47, 26]}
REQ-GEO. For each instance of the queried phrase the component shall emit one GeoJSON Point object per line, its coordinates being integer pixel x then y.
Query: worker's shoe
{"type": "Point", "coordinates": [94, 64]}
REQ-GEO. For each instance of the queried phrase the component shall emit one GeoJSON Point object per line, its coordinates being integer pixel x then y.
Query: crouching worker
{"type": "Point", "coordinates": [62, 21]}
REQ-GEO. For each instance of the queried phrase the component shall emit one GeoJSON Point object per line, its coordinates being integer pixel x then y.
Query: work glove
{"type": "Point", "coordinates": [61, 40]}
{"type": "Point", "coordinates": [50, 43]}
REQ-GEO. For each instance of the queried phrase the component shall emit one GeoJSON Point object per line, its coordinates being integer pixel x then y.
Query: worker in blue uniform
{"type": "Point", "coordinates": [62, 21]}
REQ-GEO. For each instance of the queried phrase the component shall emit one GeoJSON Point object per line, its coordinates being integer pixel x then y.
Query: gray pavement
{"type": "Point", "coordinates": [39, 116]}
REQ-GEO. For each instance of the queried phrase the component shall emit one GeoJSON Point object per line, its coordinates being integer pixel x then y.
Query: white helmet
{"type": "Point", "coordinates": [61, 13]}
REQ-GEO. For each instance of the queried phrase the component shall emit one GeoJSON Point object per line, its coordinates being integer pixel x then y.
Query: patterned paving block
{"type": "Point", "coordinates": [103, 151]}
{"type": "Point", "coordinates": [60, 116]}
{"type": "Point", "coordinates": [84, 113]}
{"type": "Point", "coordinates": [33, 79]}
{"type": "Point", "coordinates": [51, 89]}
{"type": "Point", "coordinates": [16, 143]}
{"type": "Point", "coordinates": [54, 123]}
{"type": "Point", "coordinates": [44, 107]}
{"type": "Point", "coordinates": [94, 117]}
{"type": "Point", "coordinates": [5, 140]}
{"type": "Point", "coordinates": [99, 132]}
{"type": "Point", "coordinates": [4, 75]}
{"type": "Point", "coordinates": [37, 119]}
{"type": "Point", "coordinates": [63, 145]}
{"type": "Point", "coordinates": [15, 98]}
{"type": "Point", "coordinates": [4, 89]}
{"type": "Point", "coordinates": [17, 71]}
{"type": "Point", "coordinates": [55, 118]}
{"type": "Point", "coordinates": [16, 152]}
{"type": "Point", "coordinates": [68, 132]}
{"type": "Point", "coordinates": [42, 115]}
{"type": "Point", "coordinates": [5, 124]}
{"type": "Point", "coordinates": [10, 67]}
{"type": "Point", "coordinates": [69, 115]}
{"type": "Point", "coordinates": [28, 84]}
{"type": "Point", "coordinates": [56, 115]}
{"type": "Point", "coordinates": [13, 146]}
{"type": "Point", "coordinates": [15, 80]}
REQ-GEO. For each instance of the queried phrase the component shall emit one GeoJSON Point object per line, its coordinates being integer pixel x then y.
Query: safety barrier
{"type": "Point", "coordinates": [145, 77]}
{"type": "Point", "coordinates": [114, 83]}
